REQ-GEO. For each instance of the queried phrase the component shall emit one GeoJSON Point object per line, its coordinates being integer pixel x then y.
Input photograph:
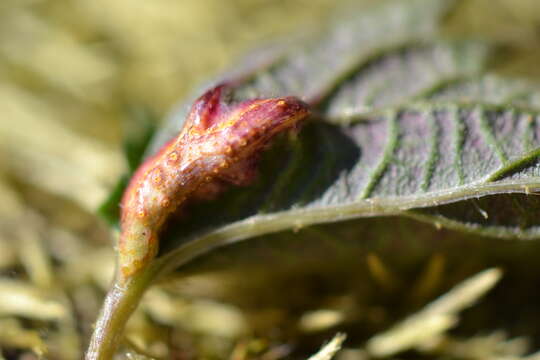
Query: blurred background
{"type": "Point", "coordinates": [71, 72]}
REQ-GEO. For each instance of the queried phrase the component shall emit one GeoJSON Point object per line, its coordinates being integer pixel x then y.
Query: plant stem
{"type": "Point", "coordinates": [119, 304]}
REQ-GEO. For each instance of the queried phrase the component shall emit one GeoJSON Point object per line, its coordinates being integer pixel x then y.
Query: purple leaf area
{"type": "Point", "coordinates": [418, 156]}
{"type": "Point", "coordinates": [489, 88]}
{"type": "Point", "coordinates": [435, 148]}
{"type": "Point", "coordinates": [403, 121]}
{"type": "Point", "coordinates": [394, 77]}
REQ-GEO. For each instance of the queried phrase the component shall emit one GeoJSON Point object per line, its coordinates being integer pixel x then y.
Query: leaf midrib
{"type": "Point", "coordinates": [258, 225]}
{"type": "Point", "coordinates": [423, 105]}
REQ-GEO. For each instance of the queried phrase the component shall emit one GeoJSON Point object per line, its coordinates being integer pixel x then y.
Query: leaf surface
{"type": "Point", "coordinates": [489, 89]}
{"type": "Point", "coordinates": [397, 76]}
{"type": "Point", "coordinates": [406, 125]}
{"type": "Point", "coordinates": [413, 157]}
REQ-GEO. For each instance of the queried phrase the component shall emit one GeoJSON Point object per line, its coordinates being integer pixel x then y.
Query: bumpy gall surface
{"type": "Point", "coordinates": [218, 144]}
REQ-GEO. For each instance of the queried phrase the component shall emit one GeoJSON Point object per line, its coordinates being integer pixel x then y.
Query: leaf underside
{"type": "Point", "coordinates": [405, 124]}
{"type": "Point", "coordinates": [418, 156]}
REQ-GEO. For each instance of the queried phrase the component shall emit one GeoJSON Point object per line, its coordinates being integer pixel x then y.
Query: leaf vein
{"type": "Point", "coordinates": [458, 135]}
{"type": "Point", "coordinates": [528, 134]}
{"type": "Point", "coordinates": [433, 157]}
{"type": "Point", "coordinates": [390, 147]}
{"type": "Point", "coordinates": [489, 137]}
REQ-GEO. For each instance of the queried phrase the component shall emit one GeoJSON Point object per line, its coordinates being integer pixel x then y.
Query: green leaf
{"type": "Point", "coordinates": [109, 210]}
{"type": "Point", "coordinates": [140, 130]}
{"type": "Point", "coordinates": [139, 133]}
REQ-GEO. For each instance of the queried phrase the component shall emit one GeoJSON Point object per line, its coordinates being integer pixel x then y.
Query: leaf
{"type": "Point", "coordinates": [141, 129]}
{"type": "Point", "coordinates": [392, 157]}
{"type": "Point", "coordinates": [503, 216]}
{"type": "Point", "coordinates": [397, 76]}
{"type": "Point", "coordinates": [489, 89]}
{"type": "Point", "coordinates": [416, 156]}
{"type": "Point", "coordinates": [516, 212]}
{"type": "Point", "coordinates": [109, 210]}
{"type": "Point", "coordinates": [515, 215]}
{"type": "Point", "coordinates": [366, 56]}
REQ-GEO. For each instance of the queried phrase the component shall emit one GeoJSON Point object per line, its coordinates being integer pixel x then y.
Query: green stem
{"type": "Point", "coordinates": [119, 304]}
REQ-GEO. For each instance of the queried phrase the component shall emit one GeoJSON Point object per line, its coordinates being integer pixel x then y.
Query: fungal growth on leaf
{"type": "Point", "coordinates": [218, 145]}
